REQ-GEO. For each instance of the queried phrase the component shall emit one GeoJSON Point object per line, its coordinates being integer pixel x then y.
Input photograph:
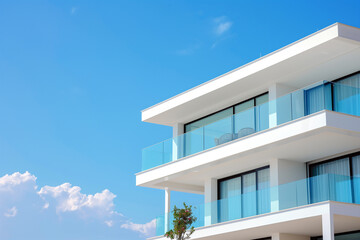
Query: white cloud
{"type": "Point", "coordinates": [9, 182]}
{"type": "Point", "coordinates": [63, 210]}
{"type": "Point", "coordinates": [11, 212]}
{"type": "Point", "coordinates": [222, 25]}
{"type": "Point", "coordinates": [69, 198]}
{"type": "Point", "coordinates": [147, 229]}
{"type": "Point", "coordinates": [16, 187]}
{"type": "Point", "coordinates": [109, 223]}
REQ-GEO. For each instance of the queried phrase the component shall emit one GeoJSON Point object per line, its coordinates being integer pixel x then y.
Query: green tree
{"type": "Point", "coordinates": [183, 219]}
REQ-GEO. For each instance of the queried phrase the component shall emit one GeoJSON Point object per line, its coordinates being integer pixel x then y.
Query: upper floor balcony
{"type": "Point", "coordinates": [292, 107]}
{"type": "Point", "coordinates": [341, 96]}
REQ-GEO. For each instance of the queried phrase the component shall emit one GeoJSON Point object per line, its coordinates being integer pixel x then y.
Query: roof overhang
{"type": "Point", "coordinates": [328, 54]}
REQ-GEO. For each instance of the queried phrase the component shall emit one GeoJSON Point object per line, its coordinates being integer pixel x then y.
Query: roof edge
{"type": "Point", "coordinates": [247, 64]}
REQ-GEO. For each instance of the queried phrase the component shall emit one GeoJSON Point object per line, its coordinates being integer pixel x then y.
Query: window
{"type": "Point", "coordinates": [247, 107]}
{"type": "Point", "coordinates": [244, 195]}
{"type": "Point", "coordinates": [346, 92]}
{"type": "Point", "coordinates": [224, 126]}
{"type": "Point", "coordinates": [318, 98]}
{"type": "Point", "coordinates": [342, 173]}
{"type": "Point", "coordinates": [341, 95]}
{"type": "Point", "coordinates": [209, 119]}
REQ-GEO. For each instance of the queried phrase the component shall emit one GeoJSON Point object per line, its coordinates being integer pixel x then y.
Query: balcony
{"type": "Point", "coordinates": [333, 96]}
{"type": "Point", "coordinates": [327, 187]}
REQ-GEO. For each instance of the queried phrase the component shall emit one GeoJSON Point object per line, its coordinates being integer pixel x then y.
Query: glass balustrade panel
{"type": "Point", "coordinates": [290, 195]}
{"type": "Point", "coordinates": [341, 97]}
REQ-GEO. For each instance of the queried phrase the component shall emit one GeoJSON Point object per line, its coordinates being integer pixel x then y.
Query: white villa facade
{"type": "Point", "coordinates": [274, 145]}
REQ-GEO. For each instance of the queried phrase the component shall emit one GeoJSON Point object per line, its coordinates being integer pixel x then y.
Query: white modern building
{"type": "Point", "coordinates": [274, 145]}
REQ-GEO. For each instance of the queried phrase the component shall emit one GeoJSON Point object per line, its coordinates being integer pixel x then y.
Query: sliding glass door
{"type": "Point", "coordinates": [347, 95]}
{"type": "Point", "coordinates": [336, 179]}
{"type": "Point", "coordinates": [342, 95]}
{"type": "Point", "coordinates": [243, 195]}
{"type": "Point", "coordinates": [226, 125]}
{"type": "Point", "coordinates": [318, 98]}
{"type": "Point", "coordinates": [356, 178]}
{"type": "Point", "coordinates": [331, 181]}
{"type": "Point", "coordinates": [230, 199]}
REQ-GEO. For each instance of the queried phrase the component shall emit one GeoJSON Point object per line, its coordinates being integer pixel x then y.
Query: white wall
{"type": "Point", "coordinates": [178, 129]}
{"type": "Point", "coordinates": [284, 171]}
{"type": "Point", "coordinates": [210, 198]}
{"type": "Point", "coordinates": [279, 107]}
{"type": "Point", "coordinates": [287, 189]}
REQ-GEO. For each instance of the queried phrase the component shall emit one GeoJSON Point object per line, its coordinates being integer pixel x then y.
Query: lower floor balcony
{"type": "Point", "coordinates": [318, 206]}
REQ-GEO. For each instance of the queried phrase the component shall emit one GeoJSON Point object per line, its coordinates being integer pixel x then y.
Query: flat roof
{"type": "Point", "coordinates": [324, 55]}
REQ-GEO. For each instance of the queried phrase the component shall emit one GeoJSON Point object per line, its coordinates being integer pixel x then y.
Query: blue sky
{"type": "Point", "coordinates": [74, 76]}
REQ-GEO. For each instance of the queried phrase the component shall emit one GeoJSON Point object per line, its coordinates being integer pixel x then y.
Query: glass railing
{"type": "Point", "coordinates": [294, 194]}
{"type": "Point", "coordinates": [325, 95]}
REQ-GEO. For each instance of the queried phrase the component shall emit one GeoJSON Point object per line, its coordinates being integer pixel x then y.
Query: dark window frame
{"type": "Point", "coordinates": [337, 234]}
{"type": "Point", "coordinates": [232, 106]}
{"type": "Point", "coordinates": [254, 98]}
{"type": "Point", "coordinates": [240, 175]}
{"type": "Point", "coordinates": [332, 86]}
{"type": "Point", "coordinates": [349, 156]}
{"type": "Point", "coordinates": [267, 92]}
{"type": "Point", "coordinates": [346, 76]}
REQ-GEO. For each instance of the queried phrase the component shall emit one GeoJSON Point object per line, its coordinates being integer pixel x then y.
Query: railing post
{"type": "Point", "coordinates": [175, 149]}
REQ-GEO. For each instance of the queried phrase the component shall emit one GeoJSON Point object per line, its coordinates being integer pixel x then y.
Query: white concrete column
{"type": "Point", "coordinates": [178, 129]}
{"type": "Point", "coordinates": [167, 208]}
{"type": "Point", "coordinates": [328, 226]}
{"type": "Point", "coordinates": [275, 236]}
{"type": "Point", "coordinates": [286, 236]}
{"type": "Point", "coordinates": [177, 144]}
{"type": "Point", "coordinates": [278, 108]}
{"type": "Point", "coordinates": [288, 189]}
{"type": "Point", "coordinates": [210, 201]}
{"type": "Point", "coordinates": [274, 183]}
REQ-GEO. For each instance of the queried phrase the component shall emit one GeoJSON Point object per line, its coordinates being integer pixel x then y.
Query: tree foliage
{"type": "Point", "coordinates": [183, 220]}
